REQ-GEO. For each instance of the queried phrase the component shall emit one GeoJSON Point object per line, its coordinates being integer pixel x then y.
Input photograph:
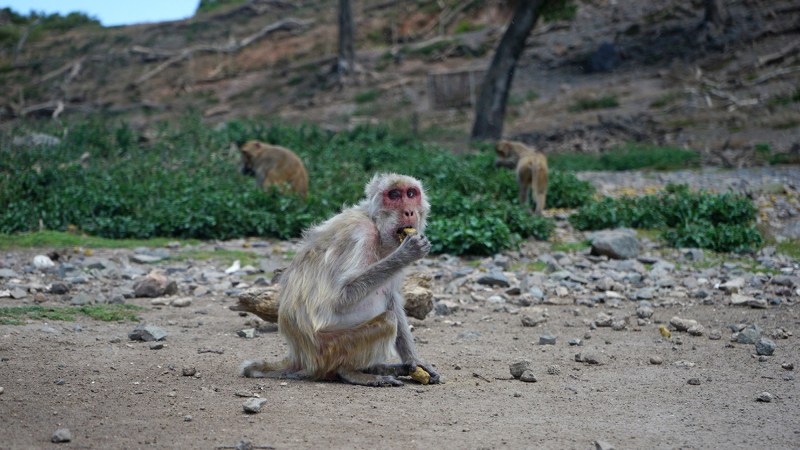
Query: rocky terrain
{"type": "Point", "coordinates": [556, 345]}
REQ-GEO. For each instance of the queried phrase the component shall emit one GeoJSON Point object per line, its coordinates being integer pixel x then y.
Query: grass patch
{"type": "Point", "coordinates": [665, 100]}
{"type": "Point", "coordinates": [587, 104]}
{"type": "Point", "coordinates": [17, 315]}
{"type": "Point", "coordinates": [570, 246]}
{"type": "Point", "coordinates": [628, 157]}
{"type": "Point", "coordinates": [65, 239]}
{"type": "Point", "coordinates": [224, 256]}
{"type": "Point", "coordinates": [367, 96]}
{"type": "Point", "coordinates": [789, 247]}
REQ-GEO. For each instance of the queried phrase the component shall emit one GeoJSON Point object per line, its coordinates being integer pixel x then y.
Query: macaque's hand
{"type": "Point", "coordinates": [414, 247]}
{"type": "Point", "coordinates": [412, 366]}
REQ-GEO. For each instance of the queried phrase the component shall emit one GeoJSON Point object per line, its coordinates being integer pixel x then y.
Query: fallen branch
{"type": "Point", "coordinates": [779, 55]}
{"type": "Point", "coordinates": [232, 46]}
{"type": "Point", "coordinates": [778, 73]}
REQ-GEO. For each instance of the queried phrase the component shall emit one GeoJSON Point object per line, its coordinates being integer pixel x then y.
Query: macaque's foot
{"type": "Point", "coordinates": [435, 379]}
{"type": "Point", "coordinates": [367, 379]}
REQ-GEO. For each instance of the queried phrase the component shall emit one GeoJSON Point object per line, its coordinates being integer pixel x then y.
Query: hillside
{"type": "Point", "coordinates": [732, 93]}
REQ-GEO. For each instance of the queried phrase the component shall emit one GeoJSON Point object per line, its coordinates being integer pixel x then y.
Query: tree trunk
{"type": "Point", "coordinates": [491, 107]}
{"type": "Point", "coordinates": [347, 56]}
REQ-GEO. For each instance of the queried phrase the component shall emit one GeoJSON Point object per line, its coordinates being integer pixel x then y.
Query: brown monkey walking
{"type": "Point", "coordinates": [531, 169]}
{"type": "Point", "coordinates": [341, 311]}
{"type": "Point", "coordinates": [272, 164]}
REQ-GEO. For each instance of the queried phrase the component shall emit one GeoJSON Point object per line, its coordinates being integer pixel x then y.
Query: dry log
{"type": "Point", "coordinates": [263, 302]}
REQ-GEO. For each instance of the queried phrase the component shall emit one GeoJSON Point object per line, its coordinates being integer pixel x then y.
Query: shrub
{"type": "Point", "coordinates": [186, 184]}
{"type": "Point", "coordinates": [584, 104]}
{"type": "Point", "coordinates": [721, 222]}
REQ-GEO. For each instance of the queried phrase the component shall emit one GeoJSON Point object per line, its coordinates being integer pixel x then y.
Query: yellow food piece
{"type": "Point", "coordinates": [420, 376]}
{"type": "Point", "coordinates": [405, 232]}
{"type": "Point", "coordinates": [664, 331]}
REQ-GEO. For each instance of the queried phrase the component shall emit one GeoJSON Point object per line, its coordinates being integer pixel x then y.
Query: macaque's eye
{"type": "Point", "coordinates": [395, 194]}
{"type": "Point", "coordinates": [412, 193]}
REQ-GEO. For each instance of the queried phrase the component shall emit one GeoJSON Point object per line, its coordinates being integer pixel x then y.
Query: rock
{"type": "Point", "coordinates": [644, 312]}
{"type": "Point", "coordinates": [682, 324]}
{"type": "Point", "coordinates": [765, 397]}
{"type": "Point", "coordinates": [61, 435]}
{"type": "Point", "coordinates": [519, 367]}
{"type": "Point", "coordinates": [696, 330]}
{"type": "Point", "coordinates": [419, 301]}
{"type": "Point", "coordinates": [785, 366]}
{"type": "Point", "coordinates": [739, 299]}
{"type": "Point", "coordinates": [547, 340]}
{"type": "Point", "coordinates": [528, 321]}
{"type": "Point", "coordinates": [757, 303]}
{"type": "Point", "coordinates": [694, 381]}
{"type": "Point", "coordinates": [59, 288]}
{"type": "Point", "coordinates": [765, 347]}
{"type": "Point", "coordinates": [181, 302]}
{"type": "Point", "coordinates": [656, 360]}
{"type": "Point", "coordinates": [446, 307]}
{"type": "Point", "coordinates": [749, 335]}
{"type": "Point", "coordinates": [154, 285]}
{"type": "Point", "coordinates": [733, 286]}
{"type": "Point", "coordinates": [145, 259]}
{"type": "Point", "coordinates": [604, 59]}
{"type": "Point", "coordinates": [18, 293]}
{"type": "Point", "coordinates": [617, 244]}
{"type": "Point", "coordinates": [253, 405]}
{"type": "Point", "coordinates": [602, 445]}
{"type": "Point", "coordinates": [8, 273]}
{"type": "Point", "coordinates": [494, 279]}
{"type": "Point", "coordinates": [715, 335]}
{"type": "Point", "coordinates": [528, 376]}
{"type": "Point", "coordinates": [603, 320]}
{"type": "Point", "coordinates": [646, 293]}
{"type": "Point", "coordinates": [81, 299]}
{"type": "Point", "coordinates": [247, 333]}
{"type": "Point", "coordinates": [589, 358]}
{"type": "Point", "coordinates": [43, 262]}
{"type": "Point", "coordinates": [147, 333]}
{"type": "Point", "coordinates": [189, 371]}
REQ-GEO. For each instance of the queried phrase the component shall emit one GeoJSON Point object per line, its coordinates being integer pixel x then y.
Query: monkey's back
{"type": "Point", "coordinates": [532, 170]}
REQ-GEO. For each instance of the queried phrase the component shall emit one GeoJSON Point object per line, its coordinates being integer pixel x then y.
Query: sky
{"type": "Point", "coordinates": [110, 12]}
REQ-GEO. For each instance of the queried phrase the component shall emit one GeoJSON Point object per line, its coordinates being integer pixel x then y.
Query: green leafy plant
{"type": "Point", "coordinates": [585, 104]}
{"type": "Point", "coordinates": [16, 315]}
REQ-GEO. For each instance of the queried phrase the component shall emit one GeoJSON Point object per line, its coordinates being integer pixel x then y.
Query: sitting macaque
{"type": "Point", "coordinates": [531, 169]}
{"type": "Point", "coordinates": [272, 164]}
{"type": "Point", "coordinates": [341, 311]}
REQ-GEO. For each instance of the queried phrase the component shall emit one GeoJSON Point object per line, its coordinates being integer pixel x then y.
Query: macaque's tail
{"type": "Point", "coordinates": [264, 369]}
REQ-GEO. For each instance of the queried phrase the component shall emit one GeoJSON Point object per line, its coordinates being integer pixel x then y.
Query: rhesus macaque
{"type": "Point", "coordinates": [531, 169]}
{"type": "Point", "coordinates": [341, 311]}
{"type": "Point", "coordinates": [272, 164]}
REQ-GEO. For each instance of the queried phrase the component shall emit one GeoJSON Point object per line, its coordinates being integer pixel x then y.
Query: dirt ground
{"type": "Point", "coordinates": [111, 392]}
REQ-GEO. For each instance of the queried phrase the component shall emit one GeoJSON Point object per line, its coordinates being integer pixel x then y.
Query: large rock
{"type": "Point", "coordinates": [617, 244]}
{"type": "Point", "coordinates": [154, 284]}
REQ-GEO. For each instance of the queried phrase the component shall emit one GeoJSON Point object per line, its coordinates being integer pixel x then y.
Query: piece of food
{"type": "Point", "coordinates": [664, 331]}
{"type": "Point", "coordinates": [421, 376]}
{"type": "Point", "coordinates": [405, 232]}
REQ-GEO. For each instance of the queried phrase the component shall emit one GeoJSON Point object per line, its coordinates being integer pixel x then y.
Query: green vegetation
{"type": "Point", "coordinates": [628, 157]}
{"type": "Point", "coordinates": [465, 26]}
{"type": "Point", "coordinates": [720, 222]}
{"type": "Point", "coordinates": [17, 315]}
{"type": "Point", "coordinates": [211, 5]}
{"type": "Point", "coordinates": [64, 239]}
{"type": "Point", "coordinates": [186, 185]}
{"type": "Point", "coordinates": [785, 99]}
{"type": "Point", "coordinates": [585, 104]}
{"type": "Point", "coordinates": [789, 247]}
{"type": "Point", "coordinates": [559, 10]}
{"type": "Point", "coordinates": [223, 256]}
{"type": "Point", "coordinates": [570, 246]}
{"type": "Point", "coordinates": [367, 96]}
{"type": "Point", "coordinates": [13, 24]}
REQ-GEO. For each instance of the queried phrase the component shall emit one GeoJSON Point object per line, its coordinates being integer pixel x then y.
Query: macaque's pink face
{"type": "Point", "coordinates": [406, 200]}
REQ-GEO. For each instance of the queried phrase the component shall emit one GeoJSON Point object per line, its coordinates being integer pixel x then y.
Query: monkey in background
{"type": "Point", "coordinates": [531, 167]}
{"type": "Point", "coordinates": [272, 164]}
{"type": "Point", "coordinates": [341, 311]}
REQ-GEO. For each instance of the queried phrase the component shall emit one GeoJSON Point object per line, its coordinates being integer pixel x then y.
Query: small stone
{"type": "Point", "coordinates": [656, 360]}
{"type": "Point", "coordinates": [588, 358]}
{"type": "Point", "coordinates": [253, 405]}
{"type": "Point", "coordinates": [749, 335]}
{"type": "Point", "coordinates": [528, 321]}
{"type": "Point", "coordinates": [603, 445]}
{"type": "Point", "coordinates": [59, 288]}
{"type": "Point", "coordinates": [181, 302]}
{"type": "Point", "coordinates": [145, 259]}
{"type": "Point", "coordinates": [604, 320]}
{"type": "Point", "coordinates": [786, 366]}
{"type": "Point", "coordinates": [618, 325]}
{"type": "Point", "coordinates": [147, 333]}
{"type": "Point", "coordinates": [757, 303]}
{"type": "Point", "coordinates": [528, 377]}
{"type": "Point", "coordinates": [547, 340]}
{"type": "Point", "coordinates": [696, 330]}
{"type": "Point", "coordinates": [715, 335]}
{"type": "Point", "coordinates": [187, 418]}
{"type": "Point", "coordinates": [694, 381]}
{"type": "Point", "coordinates": [733, 286]}
{"type": "Point", "coordinates": [247, 333]}
{"type": "Point", "coordinates": [18, 293]}
{"type": "Point", "coordinates": [575, 342]}
{"type": "Point", "coordinates": [682, 324]}
{"type": "Point", "coordinates": [61, 435]}
{"type": "Point", "coordinates": [644, 312]}
{"type": "Point", "coordinates": [765, 397]}
{"type": "Point", "coordinates": [43, 262]}
{"type": "Point", "coordinates": [189, 371]}
{"type": "Point", "coordinates": [519, 367]}
{"type": "Point", "coordinates": [554, 369]}
{"type": "Point", "coordinates": [494, 279]}
{"type": "Point", "coordinates": [765, 347]}
{"type": "Point", "coordinates": [156, 346]}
